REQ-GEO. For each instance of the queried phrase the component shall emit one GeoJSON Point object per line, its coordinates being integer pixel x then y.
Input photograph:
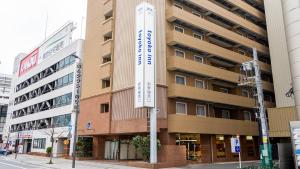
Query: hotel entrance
{"type": "Point", "coordinates": [192, 143]}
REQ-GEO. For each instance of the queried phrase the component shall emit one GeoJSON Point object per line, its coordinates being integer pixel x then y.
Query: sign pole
{"type": "Point", "coordinates": [145, 69]}
{"type": "Point", "coordinates": [240, 158]}
{"type": "Point", "coordinates": [76, 108]}
{"type": "Point", "coordinates": [153, 121]}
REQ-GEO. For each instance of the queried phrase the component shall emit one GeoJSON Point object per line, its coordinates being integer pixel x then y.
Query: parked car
{"type": "Point", "coordinates": [5, 152]}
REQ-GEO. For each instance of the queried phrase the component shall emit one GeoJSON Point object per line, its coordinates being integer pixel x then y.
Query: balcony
{"type": "Point", "coordinates": [279, 119]}
{"type": "Point", "coordinates": [190, 66]}
{"type": "Point", "coordinates": [108, 7]}
{"type": "Point", "coordinates": [248, 8]}
{"type": "Point", "coordinates": [208, 125]}
{"type": "Point", "coordinates": [107, 47]}
{"type": "Point", "coordinates": [107, 26]}
{"type": "Point", "coordinates": [174, 13]}
{"type": "Point", "coordinates": [193, 93]}
{"type": "Point", "coordinates": [230, 16]}
{"type": "Point", "coordinates": [177, 38]}
{"type": "Point", "coordinates": [105, 70]}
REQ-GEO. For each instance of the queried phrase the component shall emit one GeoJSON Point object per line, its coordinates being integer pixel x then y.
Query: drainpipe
{"type": "Point", "coordinates": [291, 10]}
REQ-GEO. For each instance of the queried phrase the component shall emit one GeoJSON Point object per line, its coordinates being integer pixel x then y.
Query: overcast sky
{"type": "Point", "coordinates": [23, 24]}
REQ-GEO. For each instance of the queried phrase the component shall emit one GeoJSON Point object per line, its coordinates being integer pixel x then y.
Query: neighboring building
{"type": "Point", "coordinates": [42, 99]}
{"type": "Point", "coordinates": [283, 41]}
{"type": "Point", "coordinates": [5, 86]}
{"type": "Point", "coordinates": [200, 47]}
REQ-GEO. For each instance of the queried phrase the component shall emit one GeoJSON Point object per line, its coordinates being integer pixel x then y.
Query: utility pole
{"type": "Point", "coordinates": [76, 96]}
{"type": "Point", "coordinates": [17, 145]}
{"type": "Point", "coordinates": [248, 68]}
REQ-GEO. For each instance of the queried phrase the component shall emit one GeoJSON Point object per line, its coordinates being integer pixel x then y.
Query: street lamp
{"type": "Point", "coordinates": [76, 93]}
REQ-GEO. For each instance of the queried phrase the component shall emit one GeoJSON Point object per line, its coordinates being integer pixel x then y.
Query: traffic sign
{"type": "Point", "coordinates": [235, 145]}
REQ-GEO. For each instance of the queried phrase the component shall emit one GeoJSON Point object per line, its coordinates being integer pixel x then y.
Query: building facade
{"type": "Point", "coordinates": [41, 104]}
{"type": "Point", "coordinates": [5, 87]}
{"type": "Point", "coordinates": [282, 25]}
{"type": "Point", "coordinates": [200, 47]}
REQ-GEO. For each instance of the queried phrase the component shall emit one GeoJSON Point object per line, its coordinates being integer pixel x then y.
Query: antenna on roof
{"type": "Point", "coordinates": [46, 26]}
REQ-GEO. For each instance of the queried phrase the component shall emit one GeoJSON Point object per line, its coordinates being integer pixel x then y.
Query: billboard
{"type": "Point", "coordinates": [49, 47]}
{"type": "Point", "coordinates": [144, 55]}
{"type": "Point", "coordinates": [29, 62]}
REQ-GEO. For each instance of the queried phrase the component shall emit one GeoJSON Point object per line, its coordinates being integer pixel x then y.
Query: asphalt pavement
{"type": "Point", "coordinates": [34, 162]}
{"type": "Point", "coordinates": [9, 164]}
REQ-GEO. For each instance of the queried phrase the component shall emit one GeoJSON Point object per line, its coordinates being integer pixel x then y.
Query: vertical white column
{"type": "Point", "coordinates": [291, 13]}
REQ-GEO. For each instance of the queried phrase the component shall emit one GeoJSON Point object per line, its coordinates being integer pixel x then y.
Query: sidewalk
{"type": "Point", "coordinates": [60, 163]}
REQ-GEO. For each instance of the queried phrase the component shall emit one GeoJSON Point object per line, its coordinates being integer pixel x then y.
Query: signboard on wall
{"type": "Point", "coordinates": [144, 55]}
{"type": "Point", "coordinates": [29, 62]}
{"type": "Point", "coordinates": [295, 138]}
{"type": "Point", "coordinates": [49, 47]}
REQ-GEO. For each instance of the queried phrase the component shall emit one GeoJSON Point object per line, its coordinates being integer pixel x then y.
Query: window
{"type": "Point", "coordinates": [245, 93]}
{"type": "Point", "coordinates": [247, 115]}
{"type": "Point", "coordinates": [105, 83]}
{"type": "Point", "coordinates": [198, 58]}
{"type": "Point", "coordinates": [179, 29]}
{"type": "Point", "coordinates": [197, 13]}
{"type": "Point", "coordinates": [106, 59]}
{"type": "Point", "coordinates": [268, 97]}
{"type": "Point", "coordinates": [241, 52]}
{"type": "Point", "coordinates": [65, 80]}
{"type": "Point", "coordinates": [198, 36]}
{"type": "Point", "coordinates": [224, 90]}
{"type": "Point", "coordinates": [200, 110]}
{"type": "Point", "coordinates": [62, 120]}
{"type": "Point", "coordinates": [39, 143]}
{"type": "Point", "coordinates": [181, 108]}
{"type": "Point", "coordinates": [180, 79]}
{"type": "Point", "coordinates": [199, 84]}
{"type": "Point", "coordinates": [59, 82]}
{"type": "Point", "coordinates": [220, 146]}
{"type": "Point", "coordinates": [225, 114]}
{"type": "Point", "coordinates": [72, 59]}
{"type": "Point", "coordinates": [178, 5]}
{"type": "Point", "coordinates": [61, 64]}
{"type": "Point", "coordinates": [106, 38]}
{"type": "Point", "coordinates": [71, 77]}
{"type": "Point", "coordinates": [104, 108]}
{"type": "Point", "coordinates": [67, 60]}
{"type": "Point", "coordinates": [179, 53]}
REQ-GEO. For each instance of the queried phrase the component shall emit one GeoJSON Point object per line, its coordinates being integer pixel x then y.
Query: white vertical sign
{"type": "Point", "coordinates": [139, 55]}
{"type": "Point", "coordinates": [144, 55]}
{"type": "Point", "coordinates": [150, 52]}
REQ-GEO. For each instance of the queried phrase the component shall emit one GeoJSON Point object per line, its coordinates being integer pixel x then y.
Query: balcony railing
{"type": "Point", "coordinates": [177, 38]}
{"type": "Point", "coordinates": [174, 13]}
{"type": "Point", "coordinates": [189, 92]}
{"type": "Point", "coordinates": [209, 125]}
{"type": "Point", "coordinates": [190, 66]}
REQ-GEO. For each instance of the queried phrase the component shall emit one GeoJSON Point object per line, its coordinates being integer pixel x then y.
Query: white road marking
{"type": "Point", "coordinates": [12, 165]}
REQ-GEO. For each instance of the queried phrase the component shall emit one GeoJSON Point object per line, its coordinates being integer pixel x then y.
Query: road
{"type": "Point", "coordinates": [9, 164]}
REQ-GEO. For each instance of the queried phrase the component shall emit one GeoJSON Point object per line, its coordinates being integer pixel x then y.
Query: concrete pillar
{"type": "Point", "coordinates": [291, 14]}
{"type": "Point", "coordinates": [98, 147]}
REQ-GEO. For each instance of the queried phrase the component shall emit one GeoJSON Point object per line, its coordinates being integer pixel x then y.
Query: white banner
{"type": "Point", "coordinates": [56, 42]}
{"type": "Point", "coordinates": [144, 55]}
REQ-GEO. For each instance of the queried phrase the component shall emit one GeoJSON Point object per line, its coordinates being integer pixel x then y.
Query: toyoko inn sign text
{"type": "Point", "coordinates": [144, 55]}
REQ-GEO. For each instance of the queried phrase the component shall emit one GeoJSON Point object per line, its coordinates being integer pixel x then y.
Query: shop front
{"type": "Point", "coordinates": [207, 148]}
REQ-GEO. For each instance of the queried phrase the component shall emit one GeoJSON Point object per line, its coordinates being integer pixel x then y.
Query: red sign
{"type": "Point", "coordinates": [29, 62]}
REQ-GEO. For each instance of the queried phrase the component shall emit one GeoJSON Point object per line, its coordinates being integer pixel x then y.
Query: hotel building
{"type": "Point", "coordinates": [41, 103]}
{"type": "Point", "coordinates": [200, 46]}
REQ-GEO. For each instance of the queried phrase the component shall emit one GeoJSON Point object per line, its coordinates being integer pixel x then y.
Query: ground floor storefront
{"type": "Point", "coordinates": [202, 148]}
{"type": "Point", "coordinates": [37, 141]}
